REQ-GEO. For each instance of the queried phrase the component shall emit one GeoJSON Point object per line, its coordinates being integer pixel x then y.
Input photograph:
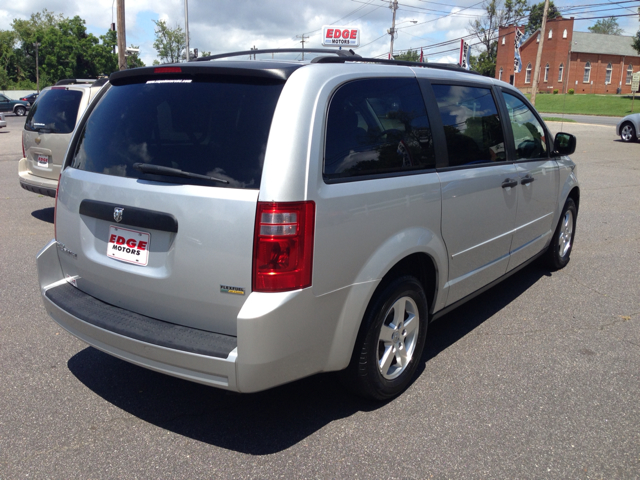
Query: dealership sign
{"type": "Point", "coordinates": [340, 36]}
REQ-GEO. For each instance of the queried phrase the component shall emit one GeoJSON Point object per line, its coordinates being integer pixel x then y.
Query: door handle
{"type": "Point", "coordinates": [526, 180]}
{"type": "Point", "coordinates": [509, 182]}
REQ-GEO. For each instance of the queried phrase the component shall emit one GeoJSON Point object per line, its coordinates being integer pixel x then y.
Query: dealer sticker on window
{"type": "Point", "coordinates": [43, 161]}
{"type": "Point", "coordinates": [129, 246]}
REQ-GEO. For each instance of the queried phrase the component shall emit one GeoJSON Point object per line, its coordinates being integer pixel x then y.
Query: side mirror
{"type": "Point", "coordinates": [564, 144]}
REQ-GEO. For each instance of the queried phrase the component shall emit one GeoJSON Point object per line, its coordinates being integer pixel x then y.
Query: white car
{"type": "Point", "coordinates": [3, 122]}
{"type": "Point", "coordinates": [629, 128]}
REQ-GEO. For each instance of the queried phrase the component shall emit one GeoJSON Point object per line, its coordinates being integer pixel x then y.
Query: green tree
{"type": "Point", "coordinates": [7, 46]}
{"type": "Point", "coordinates": [608, 26]}
{"type": "Point", "coordinates": [535, 16]}
{"type": "Point", "coordinates": [66, 50]}
{"type": "Point", "coordinates": [169, 43]}
{"type": "Point", "coordinates": [486, 28]}
{"type": "Point", "coordinates": [636, 40]}
{"type": "Point", "coordinates": [485, 62]}
{"type": "Point", "coordinates": [409, 56]}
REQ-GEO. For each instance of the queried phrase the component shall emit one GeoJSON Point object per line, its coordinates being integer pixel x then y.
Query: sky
{"type": "Point", "coordinates": [222, 26]}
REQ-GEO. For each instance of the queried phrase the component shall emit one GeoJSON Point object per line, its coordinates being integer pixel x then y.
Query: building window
{"type": "Point", "coordinates": [629, 74]}
{"type": "Point", "coordinates": [564, 34]}
{"type": "Point", "coordinates": [500, 74]}
{"type": "Point", "coordinates": [538, 39]}
{"type": "Point", "coordinates": [503, 40]}
{"type": "Point", "coordinates": [587, 72]}
{"type": "Point", "coordinates": [550, 33]}
{"type": "Point", "coordinates": [546, 73]}
{"type": "Point", "coordinates": [560, 71]}
{"type": "Point", "coordinates": [607, 78]}
{"type": "Point", "coordinates": [527, 78]}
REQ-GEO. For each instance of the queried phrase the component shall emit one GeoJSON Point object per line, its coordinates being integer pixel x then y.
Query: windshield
{"type": "Point", "coordinates": [207, 127]}
{"type": "Point", "coordinates": [56, 111]}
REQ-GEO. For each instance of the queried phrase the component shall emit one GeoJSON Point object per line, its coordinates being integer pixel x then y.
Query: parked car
{"type": "Point", "coordinates": [629, 128]}
{"type": "Point", "coordinates": [47, 132]}
{"type": "Point", "coordinates": [18, 107]}
{"type": "Point", "coordinates": [30, 98]}
{"type": "Point", "coordinates": [3, 122]}
{"type": "Point", "coordinates": [246, 224]}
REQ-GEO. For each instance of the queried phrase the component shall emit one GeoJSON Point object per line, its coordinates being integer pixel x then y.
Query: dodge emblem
{"type": "Point", "coordinates": [117, 214]}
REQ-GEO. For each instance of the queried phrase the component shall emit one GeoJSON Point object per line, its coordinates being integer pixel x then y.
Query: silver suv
{"type": "Point", "coordinates": [47, 132]}
{"type": "Point", "coordinates": [246, 224]}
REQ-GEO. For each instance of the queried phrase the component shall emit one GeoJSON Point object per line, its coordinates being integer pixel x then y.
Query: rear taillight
{"type": "Point", "coordinates": [23, 151]}
{"type": "Point", "coordinates": [283, 246]}
{"type": "Point", "coordinates": [55, 212]}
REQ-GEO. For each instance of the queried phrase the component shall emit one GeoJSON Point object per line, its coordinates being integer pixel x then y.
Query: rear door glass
{"type": "Point", "coordinates": [206, 126]}
{"type": "Point", "coordinates": [56, 111]}
{"type": "Point", "coordinates": [377, 126]}
{"type": "Point", "coordinates": [471, 124]}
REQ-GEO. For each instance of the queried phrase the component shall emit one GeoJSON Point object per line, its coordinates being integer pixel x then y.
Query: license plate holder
{"type": "Point", "coordinates": [130, 246]}
{"type": "Point", "coordinates": [43, 161]}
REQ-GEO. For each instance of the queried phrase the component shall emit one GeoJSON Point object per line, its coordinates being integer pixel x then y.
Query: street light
{"type": "Point", "coordinates": [393, 30]}
{"type": "Point", "coordinates": [37, 44]}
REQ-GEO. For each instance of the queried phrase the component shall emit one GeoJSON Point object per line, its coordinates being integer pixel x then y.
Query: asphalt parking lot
{"type": "Point", "coordinates": [537, 378]}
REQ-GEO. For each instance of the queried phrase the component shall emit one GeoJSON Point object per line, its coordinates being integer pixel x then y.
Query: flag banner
{"type": "Point", "coordinates": [517, 61]}
{"type": "Point", "coordinates": [421, 56]}
{"type": "Point", "coordinates": [464, 54]}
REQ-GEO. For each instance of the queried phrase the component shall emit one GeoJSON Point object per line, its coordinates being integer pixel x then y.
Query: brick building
{"type": "Point", "coordinates": [586, 62]}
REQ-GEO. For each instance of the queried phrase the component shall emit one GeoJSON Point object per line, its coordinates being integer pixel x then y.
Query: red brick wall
{"type": "Point", "coordinates": [556, 51]}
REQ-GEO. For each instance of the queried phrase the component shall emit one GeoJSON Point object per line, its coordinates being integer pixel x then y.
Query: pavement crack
{"type": "Point", "coordinates": [589, 287]}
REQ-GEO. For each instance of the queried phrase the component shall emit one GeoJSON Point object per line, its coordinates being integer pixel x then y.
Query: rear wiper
{"type": "Point", "coordinates": [173, 172]}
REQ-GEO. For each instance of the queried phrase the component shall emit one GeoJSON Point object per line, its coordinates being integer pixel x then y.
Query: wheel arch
{"type": "Point", "coordinates": [419, 261]}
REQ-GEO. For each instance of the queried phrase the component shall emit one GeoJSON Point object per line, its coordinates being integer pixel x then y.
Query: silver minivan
{"type": "Point", "coordinates": [244, 224]}
{"type": "Point", "coordinates": [47, 131]}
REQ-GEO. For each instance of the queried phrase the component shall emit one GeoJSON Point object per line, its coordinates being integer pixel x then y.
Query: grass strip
{"type": "Point", "coordinates": [606, 105]}
{"type": "Point", "coordinates": [558, 119]}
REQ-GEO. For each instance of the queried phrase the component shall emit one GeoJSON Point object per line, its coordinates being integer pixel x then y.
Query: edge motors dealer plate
{"type": "Point", "coordinates": [129, 246]}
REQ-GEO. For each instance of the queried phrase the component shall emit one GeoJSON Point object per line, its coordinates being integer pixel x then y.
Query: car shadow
{"type": "Point", "coordinates": [44, 214]}
{"type": "Point", "coordinates": [271, 421]}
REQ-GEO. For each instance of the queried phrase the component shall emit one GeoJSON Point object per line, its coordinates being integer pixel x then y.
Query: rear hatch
{"type": "Point", "coordinates": [139, 234]}
{"type": "Point", "coordinates": [48, 129]}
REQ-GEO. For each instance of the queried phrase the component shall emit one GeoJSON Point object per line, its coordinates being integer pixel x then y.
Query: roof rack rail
{"type": "Point", "coordinates": [342, 56]}
{"type": "Point", "coordinates": [439, 66]}
{"type": "Point", "coordinates": [341, 53]}
{"type": "Point", "coordinates": [75, 81]}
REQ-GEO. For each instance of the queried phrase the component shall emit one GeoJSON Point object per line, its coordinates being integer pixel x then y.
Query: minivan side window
{"type": "Point", "coordinates": [377, 126]}
{"type": "Point", "coordinates": [471, 125]}
{"type": "Point", "coordinates": [528, 134]}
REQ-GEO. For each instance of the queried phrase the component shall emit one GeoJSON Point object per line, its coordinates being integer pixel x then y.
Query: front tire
{"type": "Point", "coordinates": [628, 133]}
{"type": "Point", "coordinates": [560, 248]}
{"type": "Point", "coordinates": [20, 111]}
{"type": "Point", "coordinates": [390, 342]}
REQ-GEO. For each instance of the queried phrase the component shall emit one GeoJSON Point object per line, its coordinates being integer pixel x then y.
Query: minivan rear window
{"type": "Point", "coordinates": [56, 111]}
{"type": "Point", "coordinates": [214, 127]}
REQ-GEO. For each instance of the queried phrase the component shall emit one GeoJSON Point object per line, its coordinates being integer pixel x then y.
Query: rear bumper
{"type": "Point", "coordinates": [32, 183]}
{"type": "Point", "coordinates": [281, 337]}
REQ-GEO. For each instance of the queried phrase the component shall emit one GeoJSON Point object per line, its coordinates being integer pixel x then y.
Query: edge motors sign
{"type": "Point", "coordinates": [333, 36]}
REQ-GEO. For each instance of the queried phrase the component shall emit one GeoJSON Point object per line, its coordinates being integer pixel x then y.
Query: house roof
{"type": "Point", "coordinates": [603, 44]}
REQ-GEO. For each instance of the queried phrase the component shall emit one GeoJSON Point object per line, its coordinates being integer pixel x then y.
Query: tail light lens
{"type": "Point", "coordinates": [24, 154]}
{"type": "Point", "coordinates": [283, 246]}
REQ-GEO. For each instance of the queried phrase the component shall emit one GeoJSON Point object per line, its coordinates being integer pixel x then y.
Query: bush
{"type": "Point", "coordinates": [555, 91]}
{"type": "Point", "coordinates": [571, 91]}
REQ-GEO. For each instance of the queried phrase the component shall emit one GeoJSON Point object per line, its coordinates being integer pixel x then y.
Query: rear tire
{"type": "Point", "coordinates": [559, 251]}
{"type": "Point", "coordinates": [390, 342]}
{"type": "Point", "coordinates": [20, 111]}
{"type": "Point", "coordinates": [628, 132]}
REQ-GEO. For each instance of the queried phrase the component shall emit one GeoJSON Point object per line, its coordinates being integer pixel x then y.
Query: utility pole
{"type": "Point", "coordinates": [37, 44]}
{"type": "Point", "coordinates": [122, 40]}
{"type": "Point", "coordinates": [254, 55]}
{"type": "Point", "coordinates": [392, 31]}
{"type": "Point", "coordinates": [536, 75]}
{"type": "Point", "coordinates": [186, 29]}
{"type": "Point", "coordinates": [303, 37]}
